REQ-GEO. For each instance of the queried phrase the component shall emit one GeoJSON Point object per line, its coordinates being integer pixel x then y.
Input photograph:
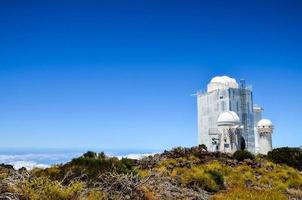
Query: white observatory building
{"type": "Point", "coordinates": [228, 120]}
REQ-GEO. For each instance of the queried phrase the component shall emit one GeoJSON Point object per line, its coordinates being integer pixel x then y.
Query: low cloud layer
{"type": "Point", "coordinates": [43, 160]}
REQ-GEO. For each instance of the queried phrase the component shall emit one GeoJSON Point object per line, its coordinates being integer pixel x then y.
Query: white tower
{"type": "Point", "coordinates": [265, 129]}
{"type": "Point", "coordinates": [229, 132]}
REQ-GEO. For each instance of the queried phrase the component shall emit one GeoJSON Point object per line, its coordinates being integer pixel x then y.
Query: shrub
{"type": "Point", "coordinates": [90, 164]}
{"type": "Point", "coordinates": [239, 193]}
{"type": "Point", "coordinates": [241, 175]}
{"type": "Point", "coordinates": [296, 184]}
{"type": "Point", "coordinates": [95, 163]}
{"type": "Point", "coordinates": [44, 189]}
{"type": "Point", "coordinates": [241, 155]}
{"type": "Point", "coordinates": [219, 167]}
{"type": "Point", "coordinates": [101, 156]}
{"type": "Point", "coordinates": [200, 179]}
{"type": "Point", "coordinates": [217, 177]}
{"type": "Point", "coordinates": [178, 152]}
{"type": "Point", "coordinates": [143, 173]}
{"type": "Point", "coordinates": [53, 172]}
{"type": "Point", "coordinates": [203, 146]}
{"type": "Point", "coordinates": [89, 154]}
{"type": "Point", "coordinates": [285, 155]}
{"type": "Point", "coordinates": [208, 180]}
{"type": "Point", "coordinates": [94, 195]}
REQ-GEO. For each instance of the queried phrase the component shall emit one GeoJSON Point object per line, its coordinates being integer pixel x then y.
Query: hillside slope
{"type": "Point", "coordinates": [182, 173]}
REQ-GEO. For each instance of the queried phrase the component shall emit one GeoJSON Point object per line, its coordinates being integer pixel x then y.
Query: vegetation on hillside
{"type": "Point", "coordinates": [241, 155]}
{"type": "Point", "coordinates": [181, 173]}
{"type": "Point", "coordinates": [289, 156]}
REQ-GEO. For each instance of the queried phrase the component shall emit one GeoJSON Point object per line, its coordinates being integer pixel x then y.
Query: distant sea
{"type": "Point", "coordinates": [42, 158]}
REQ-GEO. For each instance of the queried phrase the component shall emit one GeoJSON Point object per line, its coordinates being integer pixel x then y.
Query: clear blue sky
{"type": "Point", "coordinates": [119, 74]}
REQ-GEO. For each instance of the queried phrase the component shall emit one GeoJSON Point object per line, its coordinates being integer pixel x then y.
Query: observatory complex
{"type": "Point", "coordinates": [228, 120]}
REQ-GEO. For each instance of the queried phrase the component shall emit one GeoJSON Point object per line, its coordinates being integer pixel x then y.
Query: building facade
{"type": "Point", "coordinates": [224, 94]}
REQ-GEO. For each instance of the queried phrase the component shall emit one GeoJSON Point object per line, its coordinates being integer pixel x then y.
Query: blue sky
{"type": "Point", "coordinates": [119, 74]}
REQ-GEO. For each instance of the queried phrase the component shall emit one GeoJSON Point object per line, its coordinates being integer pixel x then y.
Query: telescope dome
{"type": "Point", "coordinates": [264, 123]}
{"type": "Point", "coordinates": [228, 118]}
{"type": "Point", "coordinates": [222, 82]}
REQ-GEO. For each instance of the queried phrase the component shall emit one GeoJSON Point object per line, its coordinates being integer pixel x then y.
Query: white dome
{"type": "Point", "coordinates": [228, 118]}
{"type": "Point", "coordinates": [217, 79]}
{"type": "Point", "coordinates": [264, 123]}
{"type": "Point", "coordinates": [222, 82]}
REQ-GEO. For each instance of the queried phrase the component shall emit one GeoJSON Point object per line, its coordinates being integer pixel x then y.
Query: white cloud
{"type": "Point", "coordinates": [27, 164]}
{"type": "Point", "coordinates": [43, 160]}
{"type": "Point", "coordinates": [40, 160]}
{"type": "Point", "coordinates": [31, 156]}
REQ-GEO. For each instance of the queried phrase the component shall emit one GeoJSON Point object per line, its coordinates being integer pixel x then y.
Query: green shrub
{"type": "Point", "coordinates": [203, 146]}
{"type": "Point", "coordinates": [44, 189]}
{"type": "Point", "coordinates": [241, 155]}
{"type": "Point", "coordinates": [93, 164]}
{"type": "Point", "coordinates": [89, 154]}
{"type": "Point", "coordinates": [90, 164]}
{"type": "Point", "coordinates": [217, 177]}
{"type": "Point", "coordinates": [200, 179]}
{"type": "Point", "coordinates": [285, 155]}
{"type": "Point", "coordinates": [240, 193]}
{"type": "Point", "coordinates": [209, 180]}
{"type": "Point", "coordinates": [53, 172]}
{"type": "Point", "coordinates": [295, 184]}
{"type": "Point", "coordinates": [94, 195]}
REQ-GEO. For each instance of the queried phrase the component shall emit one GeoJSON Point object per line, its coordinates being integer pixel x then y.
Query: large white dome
{"type": "Point", "coordinates": [228, 118]}
{"type": "Point", "coordinates": [217, 79]}
{"type": "Point", "coordinates": [222, 82]}
{"type": "Point", "coordinates": [265, 123]}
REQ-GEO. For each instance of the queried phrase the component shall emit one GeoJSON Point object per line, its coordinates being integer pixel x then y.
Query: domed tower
{"type": "Point", "coordinates": [229, 132]}
{"type": "Point", "coordinates": [265, 129]}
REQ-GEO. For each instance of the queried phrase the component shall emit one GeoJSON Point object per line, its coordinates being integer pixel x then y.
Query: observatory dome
{"type": "Point", "coordinates": [222, 82]}
{"type": "Point", "coordinates": [228, 118]}
{"type": "Point", "coordinates": [264, 123]}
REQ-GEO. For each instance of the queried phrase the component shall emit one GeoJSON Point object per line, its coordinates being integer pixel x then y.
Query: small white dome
{"type": "Point", "coordinates": [222, 82]}
{"type": "Point", "coordinates": [228, 118]}
{"type": "Point", "coordinates": [264, 123]}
